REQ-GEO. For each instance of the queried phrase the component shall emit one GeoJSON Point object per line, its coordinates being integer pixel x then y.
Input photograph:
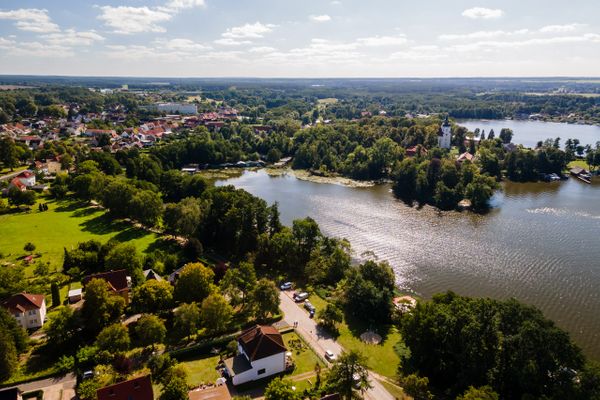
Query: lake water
{"type": "Point", "coordinates": [528, 133]}
{"type": "Point", "coordinates": [539, 244]}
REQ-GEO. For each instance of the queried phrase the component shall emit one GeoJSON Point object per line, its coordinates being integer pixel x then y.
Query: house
{"type": "Point", "coordinates": [27, 178]}
{"type": "Point", "coordinates": [151, 274]}
{"type": "Point", "coordinates": [98, 132]}
{"type": "Point", "coordinates": [415, 150]}
{"type": "Point", "coordinates": [466, 156]}
{"type": "Point", "coordinates": [32, 142]}
{"type": "Point", "coordinates": [15, 182]}
{"type": "Point", "coordinates": [10, 394]}
{"type": "Point", "coordinates": [28, 309]}
{"type": "Point", "coordinates": [75, 295]}
{"type": "Point", "coordinates": [213, 393]}
{"type": "Point", "coordinates": [261, 353]}
{"type": "Point", "coordinates": [133, 389]}
{"type": "Point", "coordinates": [118, 282]}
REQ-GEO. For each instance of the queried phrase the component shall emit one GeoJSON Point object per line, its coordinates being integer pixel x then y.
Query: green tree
{"type": "Point", "coordinates": [183, 218]}
{"type": "Point", "coordinates": [176, 389]}
{"type": "Point", "coordinates": [9, 153]}
{"type": "Point", "coordinates": [194, 284]}
{"type": "Point", "coordinates": [88, 388]}
{"type": "Point", "coordinates": [481, 393]}
{"type": "Point", "coordinates": [239, 282]}
{"type": "Point", "coordinates": [8, 355]}
{"type": "Point", "coordinates": [480, 190]}
{"type": "Point", "coordinates": [146, 207]}
{"type": "Point", "coordinates": [61, 329]}
{"type": "Point", "coordinates": [187, 319]}
{"type": "Point", "coordinates": [216, 313]}
{"type": "Point", "coordinates": [349, 375]}
{"type": "Point", "coordinates": [100, 307]}
{"type": "Point", "coordinates": [55, 294]}
{"type": "Point", "coordinates": [265, 299]}
{"type": "Point", "coordinates": [126, 256]}
{"type": "Point", "coordinates": [150, 329]}
{"type": "Point", "coordinates": [330, 317]}
{"type": "Point", "coordinates": [152, 296]}
{"type": "Point", "coordinates": [29, 247]}
{"type": "Point", "coordinates": [113, 338]}
{"type": "Point", "coordinates": [506, 135]}
{"type": "Point", "coordinates": [281, 389]}
{"type": "Point", "coordinates": [416, 387]}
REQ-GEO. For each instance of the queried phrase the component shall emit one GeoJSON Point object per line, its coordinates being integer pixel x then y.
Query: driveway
{"type": "Point", "coordinates": [320, 340]}
{"type": "Point", "coordinates": [57, 388]}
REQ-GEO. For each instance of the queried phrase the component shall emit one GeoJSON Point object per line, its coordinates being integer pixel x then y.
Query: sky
{"type": "Point", "coordinates": [300, 38]}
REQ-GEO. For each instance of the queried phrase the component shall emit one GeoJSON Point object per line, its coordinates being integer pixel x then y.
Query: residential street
{"type": "Point", "coordinates": [57, 388]}
{"type": "Point", "coordinates": [320, 340]}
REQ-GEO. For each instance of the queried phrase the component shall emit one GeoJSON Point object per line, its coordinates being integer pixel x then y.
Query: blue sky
{"type": "Point", "coordinates": [307, 38]}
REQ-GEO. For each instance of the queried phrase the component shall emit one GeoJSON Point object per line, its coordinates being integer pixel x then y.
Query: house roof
{"type": "Point", "coordinates": [133, 389]}
{"type": "Point", "coordinates": [22, 302]}
{"type": "Point", "coordinates": [116, 279]}
{"type": "Point", "coordinates": [261, 341]}
{"type": "Point", "coordinates": [466, 156]}
{"type": "Point", "coordinates": [25, 174]}
{"type": "Point", "coordinates": [215, 393]}
{"type": "Point", "coordinates": [9, 394]}
{"type": "Point", "coordinates": [151, 274]}
{"type": "Point", "coordinates": [17, 182]}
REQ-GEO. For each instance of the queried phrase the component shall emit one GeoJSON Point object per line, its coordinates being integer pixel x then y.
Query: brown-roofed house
{"type": "Point", "coordinates": [214, 393]}
{"type": "Point", "coordinates": [261, 353]}
{"type": "Point", "coordinates": [118, 281]}
{"type": "Point", "coordinates": [28, 309]}
{"type": "Point", "coordinates": [133, 389]}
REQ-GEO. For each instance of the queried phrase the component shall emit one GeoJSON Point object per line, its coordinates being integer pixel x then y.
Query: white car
{"type": "Point", "coordinates": [330, 356]}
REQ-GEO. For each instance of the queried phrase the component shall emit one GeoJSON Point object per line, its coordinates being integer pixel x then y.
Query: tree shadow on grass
{"type": "Point", "coordinates": [165, 245]}
{"type": "Point", "coordinates": [84, 212]}
{"type": "Point", "coordinates": [130, 234]}
{"type": "Point", "coordinates": [70, 206]}
{"type": "Point", "coordinates": [359, 326]}
{"type": "Point", "coordinates": [102, 225]}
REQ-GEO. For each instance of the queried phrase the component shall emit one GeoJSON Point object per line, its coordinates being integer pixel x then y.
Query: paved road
{"type": "Point", "coordinates": [320, 340]}
{"type": "Point", "coordinates": [58, 388]}
{"type": "Point", "coordinates": [10, 175]}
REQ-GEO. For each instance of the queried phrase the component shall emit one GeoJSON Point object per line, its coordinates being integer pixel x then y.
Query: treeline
{"type": "Point", "coordinates": [498, 346]}
{"type": "Point", "coordinates": [442, 182]}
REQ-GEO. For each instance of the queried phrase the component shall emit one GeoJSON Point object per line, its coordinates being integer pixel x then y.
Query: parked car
{"type": "Point", "coordinates": [308, 305]}
{"type": "Point", "coordinates": [299, 297]}
{"type": "Point", "coordinates": [87, 375]}
{"type": "Point", "coordinates": [330, 356]}
{"type": "Point", "coordinates": [286, 286]}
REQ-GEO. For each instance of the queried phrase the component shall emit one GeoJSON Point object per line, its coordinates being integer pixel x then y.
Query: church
{"type": "Point", "coordinates": [445, 135]}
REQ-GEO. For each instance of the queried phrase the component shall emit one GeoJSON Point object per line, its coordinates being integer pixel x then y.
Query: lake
{"type": "Point", "coordinates": [528, 133]}
{"type": "Point", "coordinates": [540, 243]}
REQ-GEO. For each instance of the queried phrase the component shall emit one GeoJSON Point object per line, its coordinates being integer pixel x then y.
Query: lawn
{"type": "Point", "coordinates": [381, 358]}
{"type": "Point", "coordinates": [201, 370]}
{"type": "Point", "coordinates": [578, 163]}
{"type": "Point", "coordinates": [65, 224]}
{"type": "Point", "coordinates": [303, 356]}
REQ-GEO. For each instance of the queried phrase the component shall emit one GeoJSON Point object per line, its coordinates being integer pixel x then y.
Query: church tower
{"type": "Point", "coordinates": [445, 135]}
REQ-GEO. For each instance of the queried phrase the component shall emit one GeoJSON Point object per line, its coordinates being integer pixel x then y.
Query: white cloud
{"type": "Point", "coordinates": [380, 41]}
{"type": "Point", "coordinates": [482, 13]}
{"type": "Point", "coordinates": [561, 28]}
{"type": "Point", "coordinates": [491, 45]}
{"type": "Point", "coordinates": [419, 53]}
{"type": "Point", "coordinates": [180, 44]}
{"type": "Point", "coordinates": [31, 19]}
{"type": "Point", "coordinates": [320, 18]}
{"type": "Point", "coordinates": [231, 42]}
{"type": "Point", "coordinates": [261, 49]}
{"type": "Point", "coordinates": [177, 5]}
{"type": "Point", "coordinates": [127, 20]}
{"type": "Point", "coordinates": [34, 49]}
{"type": "Point", "coordinates": [483, 35]}
{"type": "Point", "coordinates": [256, 30]}
{"type": "Point", "coordinates": [71, 37]}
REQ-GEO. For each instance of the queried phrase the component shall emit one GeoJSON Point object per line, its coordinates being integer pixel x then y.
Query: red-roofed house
{"type": "Point", "coordinates": [27, 178]}
{"type": "Point", "coordinates": [28, 309]}
{"type": "Point", "coordinates": [261, 353]}
{"type": "Point", "coordinates": [133, 389]}
{"type": "Point", "coordinates": [118, 281]}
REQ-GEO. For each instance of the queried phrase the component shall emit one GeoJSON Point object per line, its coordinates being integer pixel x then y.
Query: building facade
{"type": "Point", "coordinates": [28, 309]}
{"type": "Point", "coordinates": [445, 135]}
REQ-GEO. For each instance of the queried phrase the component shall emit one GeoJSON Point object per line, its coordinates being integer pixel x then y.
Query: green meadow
{"type": "Point", "coordinates": [65, 224]}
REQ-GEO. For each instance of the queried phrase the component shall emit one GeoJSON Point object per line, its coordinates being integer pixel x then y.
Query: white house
{"type": "Point", "coordinates": [261, 353]}
{"type": "Point", "coordinates": [181, 108]}
{"type": "Point", "coordinates": [445, 135]}
{"type": "Point", "coordinates": [28, 309]}
{"type": "Point", "coordinates": [27, 178]}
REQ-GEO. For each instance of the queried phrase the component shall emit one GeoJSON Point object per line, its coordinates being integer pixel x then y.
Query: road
{"type": "Point", "coordinates": [320, 340]}
{"type": "Point", "coordinates": [10, 175]}
{"type": "Point", "coordinates": [57, 388]}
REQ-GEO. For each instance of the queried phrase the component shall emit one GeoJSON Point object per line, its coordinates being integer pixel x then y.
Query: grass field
{"type": "Point", "coordinates": [381, 358]}
{"type": "Point", "coordinates": [201, 370]}
{"type": "Point", "coordinates": [303, 356]}
{"type": "Point", "coordinates": [65, 224]}
{"type": "Point", "coordinates": [578, 163]}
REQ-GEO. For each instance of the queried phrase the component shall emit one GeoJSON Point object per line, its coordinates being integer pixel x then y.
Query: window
{"type": "Point", "coordinates": [261, 371]}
